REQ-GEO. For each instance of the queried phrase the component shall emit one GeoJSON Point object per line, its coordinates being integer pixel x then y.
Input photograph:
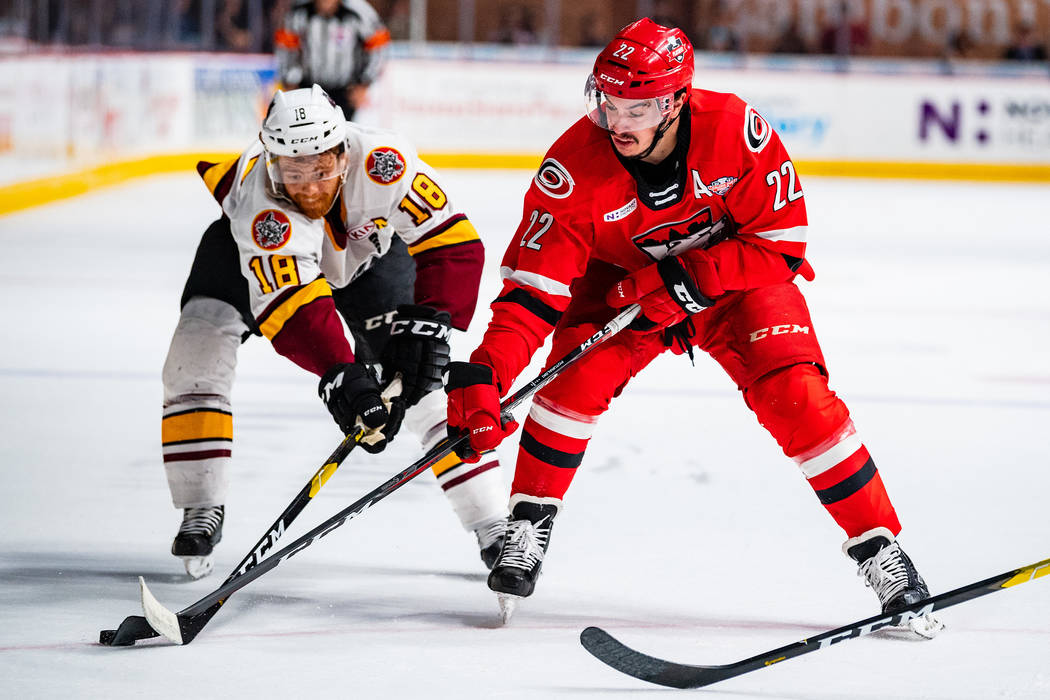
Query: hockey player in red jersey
{"type": "Point", "coordinates": [686, 202]}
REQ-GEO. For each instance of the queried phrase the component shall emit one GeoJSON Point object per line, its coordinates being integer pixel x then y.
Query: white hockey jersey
{"type": "Point", "coordinates": [290, 261]}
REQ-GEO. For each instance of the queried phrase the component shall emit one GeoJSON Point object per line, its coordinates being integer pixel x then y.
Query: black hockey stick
{"type": "Point", "coordinates": [668, 673]}
{"type": "Point", "coordinates": [136, 627]}
{"type": "Point", "coordinates": [183, 627]}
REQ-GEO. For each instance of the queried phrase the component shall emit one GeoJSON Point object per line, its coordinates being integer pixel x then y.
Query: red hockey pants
{"type": "Point", "coordinates": [764, 340]}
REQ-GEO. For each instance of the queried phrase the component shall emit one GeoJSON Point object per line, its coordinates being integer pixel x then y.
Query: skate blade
{"type": "Point", "coordinates": [507, 605]}
{"type": "Point", "coordinates": [926, 626]}
{"type": "Point", "coordinates": [198, 567]}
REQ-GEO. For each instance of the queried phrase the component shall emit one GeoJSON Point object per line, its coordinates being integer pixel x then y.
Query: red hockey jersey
{"type": "Point", "coordinates": [732, 191]}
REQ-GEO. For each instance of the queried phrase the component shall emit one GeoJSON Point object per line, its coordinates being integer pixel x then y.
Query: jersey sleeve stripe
{"type": "Point", "coordinates": [795, 234]}
{"type": "Point", "coordinates": [249, 166]}
{"type": "Point", "coordinates": [537, 308]}
{"type": "Point", "coordinates": [272, 320]}
{"type": "Point", "coordinates": [380, 38]}
{"type": "Point", "coordinates": [452, 232]}
{"type": "Point", "coordinates": [537, 282]}
{"type": "Point", "coordinates": [218, 177]}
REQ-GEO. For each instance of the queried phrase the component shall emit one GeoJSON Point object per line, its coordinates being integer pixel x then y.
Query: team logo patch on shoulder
{"type": "Point", "coordinates": [756, 131]}
{"type": "Point", "coordinates": [554, 180]}
{"type": "Point", "coordinates": [623, 211]}
{"type": "Point", "coordinates": [385, 165]}
{"type": "Point", "coordinates": [722, 185]}
{"type": "Point", "coordinates": [271, 229]}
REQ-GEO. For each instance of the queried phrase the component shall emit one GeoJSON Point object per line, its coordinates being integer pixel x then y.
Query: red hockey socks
{"type": "Point", "coordinates": [551, 448]}
{"type": "Point", "coordinates": [812, 426]}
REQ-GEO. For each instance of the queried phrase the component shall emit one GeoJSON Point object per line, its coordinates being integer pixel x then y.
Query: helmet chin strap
{"type": "Point", "coordinates": [660, 131]}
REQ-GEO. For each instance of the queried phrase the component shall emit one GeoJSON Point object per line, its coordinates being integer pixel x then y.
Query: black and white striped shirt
{"type": "Point", "coordinates": [334, 52]}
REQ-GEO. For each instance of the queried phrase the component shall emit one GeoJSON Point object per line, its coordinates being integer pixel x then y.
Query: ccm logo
{"type": "Point", "coordinates": [611, 79]}
{"type": "Point", "coordinates": [778, 330]}
{"type": "Point", "coordinates": [892, 620]}
{"type": "Point", "coordinates": [306, 140]}
{"type": "Point", "coordinates": [688, 303]}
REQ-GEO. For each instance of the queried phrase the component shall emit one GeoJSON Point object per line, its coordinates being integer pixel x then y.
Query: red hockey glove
{"type": "Point", "coordinates": [473, 408]}
{"type": "Point", "coordinates": [669, 290]}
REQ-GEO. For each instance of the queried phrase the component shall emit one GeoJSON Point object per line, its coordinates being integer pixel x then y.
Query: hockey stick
{"type": "Point", "coordinates": [136, 627]}
{"type": "Point", "coordinates": [183, 627]}
{"type": "Point", "coordinates": [668, 673]}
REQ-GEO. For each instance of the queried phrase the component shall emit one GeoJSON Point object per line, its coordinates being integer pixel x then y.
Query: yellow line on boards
{"type": "Point", "coordinates": [32, 193]}
{"type": "Point", "coordinates": [1001, 172]}
{"type": "Point", "coordinates": [44, 190]}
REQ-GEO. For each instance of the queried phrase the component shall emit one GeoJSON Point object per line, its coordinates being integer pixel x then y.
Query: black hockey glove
{"type": "Point", "coordinates": [418, 350]}
{"type": "Point", "coordinates": [351, 394]}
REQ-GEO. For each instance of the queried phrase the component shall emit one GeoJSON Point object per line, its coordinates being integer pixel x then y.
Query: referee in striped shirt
{"type": "Point", "coordinates": [338, 44]}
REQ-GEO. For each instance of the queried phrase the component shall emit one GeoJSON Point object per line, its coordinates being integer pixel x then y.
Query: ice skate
{"type": "Point", "coordinates": [490, 540]}
{"type": "Point", "coordinates": [200, 531]}
{"type": "Point", "coordinates": [893, 577]}
{"type": "Point", "coordinates": [528, 533]}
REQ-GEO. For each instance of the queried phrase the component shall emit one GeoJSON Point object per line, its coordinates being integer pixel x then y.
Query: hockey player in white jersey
{"type": "Point", "coordinates": [323, 218]}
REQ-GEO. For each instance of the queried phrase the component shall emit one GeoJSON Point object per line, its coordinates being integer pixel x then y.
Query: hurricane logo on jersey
{"type": "Point", "coordinates": [698, 231]}
{"type": "Point", "coordinates": [271, 229]}
{"type": "Point", "coordinates": [756, 131]}
{"type": "Point", "coordinates": [554, 180]}
{"type": "Point", "coordinates": [385, 165]}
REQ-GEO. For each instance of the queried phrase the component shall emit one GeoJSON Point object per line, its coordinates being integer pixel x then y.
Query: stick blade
{"type": "Point", "coordinates": [609, 650]}
{"type": "Point", "coordinates": [133, 629]}
{"type": "Point", "coordinates": [164, 621]}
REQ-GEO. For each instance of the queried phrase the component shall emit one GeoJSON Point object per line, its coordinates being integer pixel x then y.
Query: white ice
{"type": "Point", "coordinates": [687, 533]}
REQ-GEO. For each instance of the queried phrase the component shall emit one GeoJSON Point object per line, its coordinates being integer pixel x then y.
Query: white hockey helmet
{"type": "Point", "coordinates": [300, 123]}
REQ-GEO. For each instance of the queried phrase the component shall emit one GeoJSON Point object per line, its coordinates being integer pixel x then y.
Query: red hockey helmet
{"type": "Point", "coordinates": [644, 61]}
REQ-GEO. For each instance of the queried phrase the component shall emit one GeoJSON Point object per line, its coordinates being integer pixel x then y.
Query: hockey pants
{"type": "Point", "coordinates": [764, 340]}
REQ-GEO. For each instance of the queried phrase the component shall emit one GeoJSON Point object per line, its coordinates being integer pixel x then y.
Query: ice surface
{"type": "Point", "coordinates": [687, 534]}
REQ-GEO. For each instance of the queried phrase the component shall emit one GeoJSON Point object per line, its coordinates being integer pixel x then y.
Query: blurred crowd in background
{"type": "Point", "coordinates": [979, 29]}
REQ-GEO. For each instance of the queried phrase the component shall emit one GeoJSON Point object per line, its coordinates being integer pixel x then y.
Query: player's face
{"type": "Point", "coordinates": [632, 123]}
{"type": "Point", "coordinates": [313, 182]}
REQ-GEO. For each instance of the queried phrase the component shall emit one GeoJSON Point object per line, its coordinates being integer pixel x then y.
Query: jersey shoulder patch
{"type": "Point", "coordinates": [387, 155]}
{"type": "Point", "coordinates": [271, 229]}
{"type": "Point", "coordinates": [553, 179]}
{"type": "Point", "coordinates": [757, 131]}
{"type": "Point", "coordinates": [385, 165]}
{"type": "Point", "coordinates": [582, 150]}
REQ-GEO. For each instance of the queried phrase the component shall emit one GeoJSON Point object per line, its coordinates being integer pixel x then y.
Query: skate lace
{"type": "Point", "coordinates": [886, 572]}
{"type": "Point", "coordinates": [491, 533]}
{"type": "Point", "coordinates": [524, 546]}
{"type": "Point", "coordinates": [201, 521]}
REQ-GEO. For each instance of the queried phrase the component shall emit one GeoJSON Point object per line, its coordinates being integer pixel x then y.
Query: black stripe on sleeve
{"type": "Point", "coordinates": [549, 455]}
{"type": "Point", "coordinates": [537, 308]}
{"type": "Point", "coordinates": [848, 486]}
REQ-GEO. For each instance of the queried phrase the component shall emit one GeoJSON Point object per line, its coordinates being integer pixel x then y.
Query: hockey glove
{"type": "Point", "coordinates": [351, 394]}
{"type": "Point", "coordinates": [669, 290]}
{"type": "Point", "coordinates": [418, 349]}
{"type": "Point", "coordinates": [473, 409]}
